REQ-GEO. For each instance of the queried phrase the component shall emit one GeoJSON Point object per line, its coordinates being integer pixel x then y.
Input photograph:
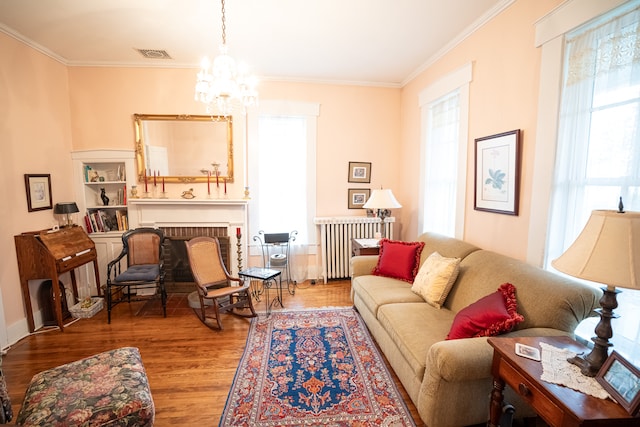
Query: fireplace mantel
{"type": "Point", "coordinates": [188, 201]}
{"type": "Point", "coordinates": [227, 213]}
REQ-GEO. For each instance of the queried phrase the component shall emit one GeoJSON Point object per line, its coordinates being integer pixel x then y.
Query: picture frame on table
{"type": "Point", "coordinates": [621, 380]}
{"type": "Point", "coordinates": [38, 187]}
{"type": "Point", "coordinates": [497, 173]}
{"type": "Point", "coordinates": [360, 172]}
{"type": "Point", "coordinates": [358, 197]}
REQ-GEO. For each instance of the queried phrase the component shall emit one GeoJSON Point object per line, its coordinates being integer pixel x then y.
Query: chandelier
{"type": "Point", "coordinates": [223, 83]}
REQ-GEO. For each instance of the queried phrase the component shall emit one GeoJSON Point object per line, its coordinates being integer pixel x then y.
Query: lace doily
{"type": "Point", "coordinates": [557, 370]}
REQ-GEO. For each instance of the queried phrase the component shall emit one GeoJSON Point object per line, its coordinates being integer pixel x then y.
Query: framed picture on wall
{"type": "Point", "coordinates": [358, 197]}
{"type": "Point", "coordinates": [360, 172]}
{"type": "Point", "coordinates": [38, 188]}
{"type": "Point", "coordinates": [497, 173]}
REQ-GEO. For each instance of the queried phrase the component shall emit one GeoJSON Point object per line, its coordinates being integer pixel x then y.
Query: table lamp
{"type": "Point", "coordinates": [606, 251]}
{"type": "Point", "coordinates": [383, 200]}
{"type": "Point", "coordinates": [67, 208]}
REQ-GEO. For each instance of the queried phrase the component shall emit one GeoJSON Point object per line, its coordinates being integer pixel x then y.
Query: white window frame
{"type": "Point", "coordinates": [456, 80]}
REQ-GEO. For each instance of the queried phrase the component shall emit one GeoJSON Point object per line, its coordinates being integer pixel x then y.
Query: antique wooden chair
{"type": "Point", "coordinates": [214, 283]}
{"type": "Point", "coordinates": [144, 275]}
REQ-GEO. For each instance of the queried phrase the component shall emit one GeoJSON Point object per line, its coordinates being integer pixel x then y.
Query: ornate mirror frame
{"type": "Point", "coordinates": [140, 119]}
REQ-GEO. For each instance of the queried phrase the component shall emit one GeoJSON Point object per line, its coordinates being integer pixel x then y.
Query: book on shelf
{"type": "Point", "coordinates": [99, 220]}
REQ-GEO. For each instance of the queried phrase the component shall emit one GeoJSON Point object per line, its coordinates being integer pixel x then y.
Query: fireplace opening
{"type": "Point", "coordinates": [178, 277]}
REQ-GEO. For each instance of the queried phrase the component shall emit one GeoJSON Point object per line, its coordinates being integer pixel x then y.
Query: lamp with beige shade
{"type": "Point", "coordinates": [606, 251]}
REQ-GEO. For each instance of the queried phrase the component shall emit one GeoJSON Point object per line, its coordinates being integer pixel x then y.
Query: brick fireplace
{"type": "Point", "coordinates": [183, 219]}
{"type": "Point", "coordinates": [178, 277]}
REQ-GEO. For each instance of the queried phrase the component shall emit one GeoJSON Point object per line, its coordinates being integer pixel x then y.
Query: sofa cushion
{"type": "Point", "coordinates": [398, 259]}
{"type": "Point", "coordinates": [435, 278]}
{"type": "Point", "coordinates": [377, 290]}
{"type": "Point", "coordinates": [491, 315]}
{"type": "Point", "coordinates": [414, 328]}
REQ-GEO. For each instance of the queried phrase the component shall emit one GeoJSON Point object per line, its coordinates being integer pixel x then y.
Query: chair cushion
{"type": "Point", "coordinates": [107, 389]}
{"type": "Point", "coordinates": [139, 273]}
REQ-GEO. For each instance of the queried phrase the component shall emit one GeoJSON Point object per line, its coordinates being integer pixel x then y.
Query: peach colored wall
{"type": "Point", "coordinates": [35, 137]}
{"type": "Point", "coordinates": [503, 96]}
{"type": "Point", "coordinates": [355, 124]}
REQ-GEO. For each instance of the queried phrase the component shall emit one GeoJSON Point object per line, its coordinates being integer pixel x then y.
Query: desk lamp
{"type": "Point", "coordinates": [383, 200]}
{"type": "Point", "coordinates": [606, 251]}
{"type": "Point", "coordinates": [67, 208]}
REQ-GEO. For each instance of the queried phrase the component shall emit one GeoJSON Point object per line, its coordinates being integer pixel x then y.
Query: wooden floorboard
{"type": "Point", "coordinates": [190, 367]}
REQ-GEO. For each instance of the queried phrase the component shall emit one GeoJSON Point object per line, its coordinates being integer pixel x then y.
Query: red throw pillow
{"type": "Point", "coordinates": [491, 315]}
{"type": "Point", "coordinates": [399, 260]}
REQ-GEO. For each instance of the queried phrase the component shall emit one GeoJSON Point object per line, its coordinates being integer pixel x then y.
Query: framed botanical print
{"type": "Point", "coordinates": [358, 197]}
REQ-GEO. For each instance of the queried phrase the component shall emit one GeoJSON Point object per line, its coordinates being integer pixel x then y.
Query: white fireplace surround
{"type": "Point", "coordinates": [228, 213]}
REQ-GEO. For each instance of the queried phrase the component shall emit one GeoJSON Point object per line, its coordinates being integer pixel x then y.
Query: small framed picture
{"type": "Point", "coordinates": [527, 351]}
{"type": "Point", "coordinates": [360, 172]}
{"type": "Point", "coordinates": [622, 380]}
{"type": "Point", "coordinates": [38, 188]}
{"type": "Point", "coordinates": [358, 197]}
{"type": "Point", "coordinates": [497, 173]}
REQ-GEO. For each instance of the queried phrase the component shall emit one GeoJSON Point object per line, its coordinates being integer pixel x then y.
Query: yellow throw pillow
{"type": "Point", "coordinates": [435, 278]}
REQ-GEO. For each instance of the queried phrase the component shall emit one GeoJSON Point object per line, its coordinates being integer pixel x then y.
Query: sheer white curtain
{"type": "Point", "coordinates": [598, 152]}
{"type": "Point", "coordinates": [441, 165]}
{"type": "Point", "coordinates": [282, 176]}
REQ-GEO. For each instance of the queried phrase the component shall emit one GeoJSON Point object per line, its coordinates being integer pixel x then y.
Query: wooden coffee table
{"type": "Point", "coordinates": [558, 406]}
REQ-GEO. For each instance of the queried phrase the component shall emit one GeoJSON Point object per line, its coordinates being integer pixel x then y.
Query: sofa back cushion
{"type": "Point", "coordinates": [445, 246]}
{"type": "Point", "coordinates": [545, 299]}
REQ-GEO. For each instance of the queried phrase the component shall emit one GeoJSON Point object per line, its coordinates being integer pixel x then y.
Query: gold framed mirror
{"type": "Point", "coordinates": [182, 148]}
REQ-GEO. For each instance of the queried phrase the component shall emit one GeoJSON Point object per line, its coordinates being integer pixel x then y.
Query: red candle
{"type": "Point", "coordinates": [238, 232]}
{"type": "Point", "coordinates": [208, 182]}
{"type": "Point", "coordinates": [163, 184]}
{"type": "Point", "coordinates": [217, 179]}
{"type": "Point", "coordinates": [154, 178]}
{"type": "Point", "coordinates": [146, 190]}
{"type": "Point", "coordinates": [225, 186]}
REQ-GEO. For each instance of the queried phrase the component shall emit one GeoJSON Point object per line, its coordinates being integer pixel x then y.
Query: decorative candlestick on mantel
{"type": "Point", "coordinates": [239, 247]}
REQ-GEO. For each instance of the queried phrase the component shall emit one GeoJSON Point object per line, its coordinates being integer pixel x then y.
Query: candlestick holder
{"type": "Point", "coordinates": [134, 192]}
{"type": "Point", "coordinates": [146, 195]}
{"type": "Point", "coordinates": [163, 195]}
{"type": "Point", "coordinates": [246, 193]}
{"type": "Point", "coordinates": [239, 250]}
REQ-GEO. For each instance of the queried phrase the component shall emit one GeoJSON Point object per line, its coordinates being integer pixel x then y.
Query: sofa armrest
{"type": "Point", "coordinates": [363, 265]}
{"type": "Point", "coordinates": [471, 358]}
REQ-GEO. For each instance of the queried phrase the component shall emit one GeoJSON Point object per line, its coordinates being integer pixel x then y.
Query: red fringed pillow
{"type": "Point", "coordinates": [491, 315]}
{"type": "Point", "coordinates": [399, 260]}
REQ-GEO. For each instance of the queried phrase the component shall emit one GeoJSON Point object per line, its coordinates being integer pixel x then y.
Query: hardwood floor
{"type": "Point", "coordinates": [190, 367]}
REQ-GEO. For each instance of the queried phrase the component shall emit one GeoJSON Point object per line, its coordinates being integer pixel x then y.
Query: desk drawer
{"type": "Point", "coordinates": [548, 410]}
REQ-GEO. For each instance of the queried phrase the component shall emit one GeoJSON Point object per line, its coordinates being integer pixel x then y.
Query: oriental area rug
{"type": "Point", "coordinates": [313, 368]}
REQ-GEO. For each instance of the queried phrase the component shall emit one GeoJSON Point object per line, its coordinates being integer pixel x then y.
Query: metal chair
{"type": "Point", "coordinates": [213, 281]}
{"type": "Point", "coordinates": [276, 251]}
{"type": "Point", "coordinates": [144, 272]}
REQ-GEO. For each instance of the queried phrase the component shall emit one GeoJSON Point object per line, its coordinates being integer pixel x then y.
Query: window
{"type": "Point", "coordinates": [598, 148]}
{"type": "Point", "coordinates": [444, 154]}
{"type": "Point", "coordinates": [441, 158]}
{"type": "Point", "coordinates": [282, 173]}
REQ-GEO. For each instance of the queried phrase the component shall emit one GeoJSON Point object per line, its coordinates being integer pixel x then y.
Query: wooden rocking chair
{"type": "Point", "coordinates": [214, 282]}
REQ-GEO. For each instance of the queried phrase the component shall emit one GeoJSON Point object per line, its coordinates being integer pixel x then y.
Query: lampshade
{"type": "Point", "coordinates": [382, 199]}
{"type": "Point", "coordinates": [66, 208]}
{"type": "Point", "coordinates": [606, 251]}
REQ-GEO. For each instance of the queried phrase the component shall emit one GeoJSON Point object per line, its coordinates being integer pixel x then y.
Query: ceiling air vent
{"type": "Point", "coordinates": [154, 53]}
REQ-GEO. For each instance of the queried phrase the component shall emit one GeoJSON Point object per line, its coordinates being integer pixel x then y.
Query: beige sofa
{"type": "Point", "coordinates": [449, 381]}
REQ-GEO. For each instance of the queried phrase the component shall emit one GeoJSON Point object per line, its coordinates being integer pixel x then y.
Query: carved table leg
{"type": "Point", "coordinates": [495, 407]}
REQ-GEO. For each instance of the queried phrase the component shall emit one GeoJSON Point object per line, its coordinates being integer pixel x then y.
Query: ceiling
{"type": "Point", "coordinates": [351, 41]}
